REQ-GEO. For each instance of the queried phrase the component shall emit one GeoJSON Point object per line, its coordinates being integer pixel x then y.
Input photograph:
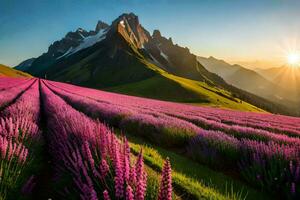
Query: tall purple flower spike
{"type": "Point", "coordinates": [165, 191]}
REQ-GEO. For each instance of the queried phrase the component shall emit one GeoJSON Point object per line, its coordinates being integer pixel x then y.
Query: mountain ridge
{"type": "Point", "coordinates": [126, 53]}
{"type": "Point", "coordinates": [247, 79]}
{"type": "Point", "coordinates": [285, 76]}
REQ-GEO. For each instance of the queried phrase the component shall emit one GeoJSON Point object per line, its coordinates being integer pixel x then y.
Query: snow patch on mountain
{"type": "Point", "coordinates": [164, 55]}
{"type": "Point", "coordinates": [156, 61]}
{"type": "Point", "coordinates": [81, 35]}
{"type": "Point", "coordinates": [80, 30]}
{"type": "Point", "coordinates": [153, 60]}
{"type": "Point", "coordinates": [86, 42]}
{"type": "Point", "coordinates": [66, 53]}
{"type": "Point", "coordinates": [90, 41]}
{"type": "Point", "coordinates": [122, 23]}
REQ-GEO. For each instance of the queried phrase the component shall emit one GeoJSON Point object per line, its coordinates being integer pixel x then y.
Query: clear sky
{"type": "Point", "coordinates": [254, 33]}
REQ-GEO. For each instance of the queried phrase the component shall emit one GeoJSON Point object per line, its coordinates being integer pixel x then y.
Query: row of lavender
{"type": "Point", "coordinates": [12, 91]}
{"type": "Point", "coordinates": [276, 123]}
{"type": "Point", "coordinates": [89, 158]}
{"type": "Point", "coordinates": [265, 158]}
{"type": "Point", "coordinates": [6, 83]}
{"type": "Point", "coordinates": [19, 135]}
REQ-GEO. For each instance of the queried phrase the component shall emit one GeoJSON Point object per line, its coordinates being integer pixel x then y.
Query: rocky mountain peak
{"type": "Point", "coordinates": [101, 25]}
{"type": "Point", "coordinates": [129, 27]}
{"type": "Point", "coordinates": [156, 34]}
{"type": "Point", "coordinates": [130, 17]}
{"type": "Point", "coordinates": [79, 30]}
{"type": "Point", "coordinates": [128, 20]}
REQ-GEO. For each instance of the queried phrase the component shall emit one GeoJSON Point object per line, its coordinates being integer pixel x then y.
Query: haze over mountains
{"type": "Point", "coordinates": [286, 77]}
{"type": "Point", "coordinates": [124, 57]}
{"type": "Point", "coordinates": [262, 82]}
{"type": "Point", "coordinates": [25, 64]}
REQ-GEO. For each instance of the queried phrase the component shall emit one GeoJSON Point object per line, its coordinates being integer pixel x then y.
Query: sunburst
{"type": "Point", "coordinates": [293, 59]}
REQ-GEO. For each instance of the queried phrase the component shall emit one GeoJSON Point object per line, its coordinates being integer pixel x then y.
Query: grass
{"type": "Point", "coordinates": [136, 76]}
{"type": "Point", "coordinates": [165, 86]}
{"type": "Point", "coordinates": [7, 71]}
{"type": "Point", "coordinates": [183, 187]}
{"type": "Point", "coordinates": [32, 166]}
{"type": "Point", "coordinates": [193, 179]}
{"type": "Point", "coordinates": [158, 87]}
{"type": "Point", "coordinates": [204, 180]}
{"type": "Point", "coordinates": [153, 180]}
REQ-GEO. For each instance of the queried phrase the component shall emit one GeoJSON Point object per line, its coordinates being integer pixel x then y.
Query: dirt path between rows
{"type": "Point", "coordinates": [44, 184]}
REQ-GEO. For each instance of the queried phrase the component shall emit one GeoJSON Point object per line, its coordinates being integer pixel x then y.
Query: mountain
{"type": "Point", "coordinates": [247, 79]}
{"type": "Point", "coordinates": [7, 71]}
{"type": "Point", "coordinates": [124, 57]}
{"type": "Point", "coordinates": [23, 66]}
{"type": "Point", "coordinates": [285, 76]}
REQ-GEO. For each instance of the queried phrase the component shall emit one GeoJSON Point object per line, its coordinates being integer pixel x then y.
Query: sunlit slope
{"type": "Point", "coordinates": [142, 78]}
{"type": "Point", "coordinates": [128, 59]}
{"type": "Point", "coordinates": [7, 71]}
{"type": "Point", "coordinates": [166, 86]}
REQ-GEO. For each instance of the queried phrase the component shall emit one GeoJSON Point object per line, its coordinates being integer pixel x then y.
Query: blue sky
{"type": "Point", "coordinates": [250, 32]}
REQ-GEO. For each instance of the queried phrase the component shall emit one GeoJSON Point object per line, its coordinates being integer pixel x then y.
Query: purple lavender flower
{"type": "Point", "coordinates": [129, 193]}
{"type": "Point", "coordinates": [132, 178]}
{"type": "Point", "coordinates": [103, 168]}
{"type": "Point", "coordinates": [293, 188]}
{"type": "Point", "coordinates": [165, 191]}
{"type": "Point", "coordinates": [126, 161]}
{"type": "Point", "coordinates": [141, 178]}
{"type": "Point", "coordinates": [106, 195]}
{"type": "Point", "coordinates": [119, 178]}
{"type": "Point", "coordinates": [266, 141]}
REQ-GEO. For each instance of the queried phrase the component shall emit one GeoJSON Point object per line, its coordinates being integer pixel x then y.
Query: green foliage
{"type": "Point", "coordinates": [165, 86]}
{"type": "Point", "coordinates": [193, 180]}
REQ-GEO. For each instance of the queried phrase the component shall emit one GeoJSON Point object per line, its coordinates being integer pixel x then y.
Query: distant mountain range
{"type": "Point", "coordinates": [286, 77]}
{"type": "Point", "coordinates": [10, 72]}
{"type": "Point", "coordinates": [262, 82]}
{"type": "Point", "coordinates": [124, 57]}
{"type": "Point", "coordinates": [25, 65]}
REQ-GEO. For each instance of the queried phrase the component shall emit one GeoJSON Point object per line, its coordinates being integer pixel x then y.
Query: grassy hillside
{"type": "Point", "coordinates": [130, 60]}
{"type": "Point", "coordinates": [134, 75]}
{"type": "Point", "coordinates": [7, 71]}
{"type": "Point", "coordinates": [139, 77]}
{"type": "Point", "coordinates": [165, 86]}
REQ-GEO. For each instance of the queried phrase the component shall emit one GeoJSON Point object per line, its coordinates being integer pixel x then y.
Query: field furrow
{"type": "Point", "coordinates": [10, 95]}
{"type": "Point", "coordinates": [216, 118]}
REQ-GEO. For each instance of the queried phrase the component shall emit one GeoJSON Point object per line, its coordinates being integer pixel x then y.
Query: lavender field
{"type": "Point", "coordinates": [85, 153]}
{"type": "Point", "coordinates": [62, 141]}
{"type": "Point", "coordinates": [149, 100]}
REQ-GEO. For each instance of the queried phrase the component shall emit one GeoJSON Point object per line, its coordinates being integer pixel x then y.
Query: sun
{"type": "Point", "coordinates": [293, 59]}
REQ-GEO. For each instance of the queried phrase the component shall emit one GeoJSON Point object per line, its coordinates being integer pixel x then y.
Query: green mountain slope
{"type": "Point", "coordinates": [173, 88]}
{"type": "Point", "coordinates": [7, 71]}
{"type": "Point", "coordinates": [166, 86]}
{"type": "Point", "coordinates": [136, 76]}
{"type": "Point", "coordinates": [124, 57]}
